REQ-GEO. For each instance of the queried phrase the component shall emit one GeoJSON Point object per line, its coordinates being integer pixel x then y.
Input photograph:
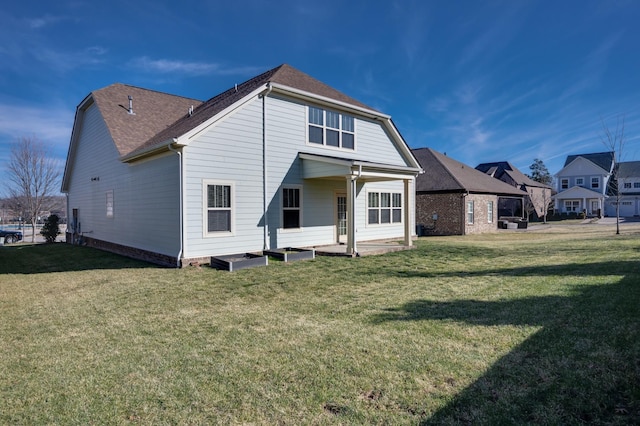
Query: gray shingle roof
{"type": "Point", "coordinates": [628, 169]}
{"type": "Point", "coordinates": [500, 168]}
{"type": "Point", "coordinates": [603, 160]}
{"type": "Point", "coordinates": [152, 113]}
{"type": "Point", "coordinates": [160, 117]}
{"type": "Point", "coordinates": [444, 174]}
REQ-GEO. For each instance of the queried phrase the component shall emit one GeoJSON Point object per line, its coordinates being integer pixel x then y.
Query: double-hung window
{"type": "Point", "coordinates": [564, 183]}
{"type": "Point", "coordinates": [595, 182]}
{"type": "Point", "coordinates": [384, 208]}
{"type": "Point", "coordinates": [470, 212]}
{"type": "Point", "coordinates": [490, 212]}
{"type": "Point", "coordinates": [109, 203]}
{"type": "Point", "coordinates": [330, 128]}
{"type": "Point", "coordinates": [219, 211]}
{"type": "Point", "coordinates": [291, 208]}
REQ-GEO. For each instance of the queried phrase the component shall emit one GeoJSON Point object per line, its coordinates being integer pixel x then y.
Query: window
{"type": "Point", "coordinates": [384, 208]}
{"type": "Point", "coordinates": [291, 208]}
{"type": "Point", "coordinates": [330, 128]}
{"type": "Point", "coordinates": [218, 208]}
{"type": "Point", "coordinates": [470, 212]}
{"type": "Point", "coordinates": [110, 203]}
{"type": "Point", "coordinates": [564, 183]}
{"type": "Point", "coordinates": [595, 182]}
{"type": "Point", "coordinates": [572, 205]}
{"type": "Point", "coordinates": [636, 184]}
{"type": "Point", "coordinates": [627, 185]}
{"type": "Point", "coordinates": [579, 181]}
{"type": "Point", "coordinates": [490, 212]}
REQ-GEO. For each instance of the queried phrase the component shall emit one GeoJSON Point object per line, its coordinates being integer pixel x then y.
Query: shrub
{"type": "Point", "coordinates": [51, 229]}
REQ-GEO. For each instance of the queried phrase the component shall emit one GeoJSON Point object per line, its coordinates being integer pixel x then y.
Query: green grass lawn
{"type": "Point", "coordinates": [509, 328]}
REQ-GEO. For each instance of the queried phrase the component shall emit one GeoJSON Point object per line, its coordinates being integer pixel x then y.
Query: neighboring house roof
{"type": "Point", "coordinates": [628, 169]}
{"type": "Point", "coordinates": [444, 174]}
{"type": "Point", "coordinates": [578, 192]}
{"type": "Point", "coordinates": [604, 160]}
{"type": "Point", "coordinates": [500, 168]}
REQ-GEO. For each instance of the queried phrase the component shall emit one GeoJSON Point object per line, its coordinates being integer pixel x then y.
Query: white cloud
{"type": "Point", "coordinates": [171, 66]}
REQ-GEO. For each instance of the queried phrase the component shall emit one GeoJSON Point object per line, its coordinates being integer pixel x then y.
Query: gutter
{"type": "Point", "coordinates": [179, 255]}
{"type": "Point", "coordinates": [265, 215]}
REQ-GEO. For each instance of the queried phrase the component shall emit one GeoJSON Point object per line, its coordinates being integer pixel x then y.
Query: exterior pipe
{"type": "Point", "coordinates": [265, 205]}
{"type": "Point", "coordinates": [179, 256]}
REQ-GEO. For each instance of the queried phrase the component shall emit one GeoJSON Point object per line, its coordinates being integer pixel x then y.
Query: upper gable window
{"type": "Point", "coordinates": [579, 181]}
{"type": "Point", "coordinates": [332, 129]}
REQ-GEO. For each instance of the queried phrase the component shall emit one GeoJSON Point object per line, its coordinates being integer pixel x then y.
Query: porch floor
{"type": "Point", "coordinates": [362, 249]}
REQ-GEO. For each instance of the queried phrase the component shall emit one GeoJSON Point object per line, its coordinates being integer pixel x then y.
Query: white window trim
{"type": "Point", "coordinates": [205, 209]}
{"type": "Point", "coordinates": [562, 180]}
{"type": "Point", "coordinates": [472, 212]}
{"type": "Point", "coordinates": [591, 182]}
{"type": "Point", "coordinates": [109, 203]}
{"type": "Point", "coordinates": [324, 130]}
{"type": "Point", "coordinates": [583, 181]}
{"type": "Point", "coordinates": [391, 193]}
{"type": "Point", "coordinates": [282, 229]}
{"type": "Point", "coordinates": [566, 202]}
{"type": "Point", "coordinates": [490, 212]}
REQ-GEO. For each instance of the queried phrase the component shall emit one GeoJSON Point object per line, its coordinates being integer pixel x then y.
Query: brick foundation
{"type": "Point", "coordinates": [131, 252]}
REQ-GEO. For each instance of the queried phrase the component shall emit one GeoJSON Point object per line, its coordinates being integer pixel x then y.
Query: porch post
{"type": "Point", "coordinates": [351, 215]}
{"type": "Point", "coordinates": [408, 202]}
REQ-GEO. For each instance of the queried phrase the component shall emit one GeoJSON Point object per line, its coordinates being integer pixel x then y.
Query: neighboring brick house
{"type": "Point", "coordinates": [538, 194]}
{"type": "Point", "coordinates": [455, 199]}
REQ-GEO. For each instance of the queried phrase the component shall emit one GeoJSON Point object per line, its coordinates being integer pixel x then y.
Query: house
{"type": "Point", "coordinates": [627, 175]}
{"type": "Point", "coordinates": [538, 194]}
{"type": "Point", "coordinates": [583, 182]}
{"type": "Point", "coordinates": [455, 199]}
{"type": "Point", "coordinates": [281, 160]}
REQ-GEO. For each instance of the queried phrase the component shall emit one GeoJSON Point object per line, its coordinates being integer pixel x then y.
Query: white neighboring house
{"type": "Point", "coordinates": [583, 182]}
{"type": "Point", "coordinates": [628, 177]}
{"type": "Point", "coordinates": [281, 160]}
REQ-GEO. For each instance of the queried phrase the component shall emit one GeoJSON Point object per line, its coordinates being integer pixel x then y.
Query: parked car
{"type": "Point", "coordinates": [10, 236]}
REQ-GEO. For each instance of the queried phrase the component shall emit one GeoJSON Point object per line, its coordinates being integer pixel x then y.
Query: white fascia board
{"type": "Point", "coordinates": [187, 137]}
{"type": "Point", "coordinates": [369, 113]}
{"type": "Point", "coordinates": [323, 100]}
{"type": "Point", "coordinates": [73, 141]}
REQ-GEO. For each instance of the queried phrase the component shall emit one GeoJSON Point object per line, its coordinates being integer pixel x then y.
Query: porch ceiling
{"type": "Point", "coordinates": [316, 166]}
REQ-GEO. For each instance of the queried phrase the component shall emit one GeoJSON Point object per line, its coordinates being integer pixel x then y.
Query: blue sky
{"type": "Point", "coordinates": [480, 80]}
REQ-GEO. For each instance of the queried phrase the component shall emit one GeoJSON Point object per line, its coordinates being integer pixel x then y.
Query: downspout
{"type": "Point", "coordinates": [179, 255]}
{"type": "Point", "coordinates": [265, 206]}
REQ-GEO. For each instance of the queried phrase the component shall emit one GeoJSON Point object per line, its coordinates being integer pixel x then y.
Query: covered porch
{"type": "Point", "coordinates": [578, 199]}
{"type": "Point", "coordinates": [353, 172]}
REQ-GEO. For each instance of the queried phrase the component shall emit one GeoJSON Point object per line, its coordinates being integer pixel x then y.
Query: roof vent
{"type": "Point", "coordinates": [131, 105]}
{"type": "Point", "coordinates": [236, 87]}
{"type": "Point", "coordinates": [190, 110]}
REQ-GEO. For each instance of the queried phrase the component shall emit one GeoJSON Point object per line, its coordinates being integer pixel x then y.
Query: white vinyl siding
{"type": "Point", "coordinates": [144, 193]}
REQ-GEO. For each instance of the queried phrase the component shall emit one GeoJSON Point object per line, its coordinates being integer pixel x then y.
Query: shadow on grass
{"type": "Point", "coordinates": [60, 257]}
{"type": "Point", "coordinates": [582, 366]}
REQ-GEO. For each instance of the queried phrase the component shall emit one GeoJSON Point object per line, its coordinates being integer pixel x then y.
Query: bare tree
{"type": "Point", "coordinates": [33, 178]}
{"type": "Point", "coordinates": [615, 141]}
